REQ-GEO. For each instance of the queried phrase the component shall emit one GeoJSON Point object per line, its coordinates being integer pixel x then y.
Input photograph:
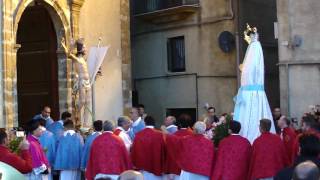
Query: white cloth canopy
{"type": "Point", "coordinates": [251, 101]}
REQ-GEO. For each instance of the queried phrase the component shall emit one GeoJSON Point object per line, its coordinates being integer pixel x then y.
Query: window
{"type": "Point", "coordinates": [176, 54]}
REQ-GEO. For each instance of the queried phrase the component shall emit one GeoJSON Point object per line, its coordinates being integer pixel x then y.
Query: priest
{"type": "Point", "coordinates": [48, 143]}
{"type": "Point", "coordinates": [169, 125]}
{"type": "Point", "coordinates": [172, 169]}
{"type": "Point", "coordinates": [268, 154]}
{"type": "Point", "coordinates": [287, 135]}
{"type": "Point", "coordinates": [45, 114]}
{"type": "Point", "coordinates": [184, 125]}
{"type": "Point", "coordinates": [122, 131]}
{"type": "Point", "coordinates": [40, 164]}
{"type": "Point", "coordinates": [97, 126]}
{"type": "Point", "coordinates": [148, 151]}
{"type": "Point", "coordinates": [69, 151]}
{"type": "Point", "coordinates": [108, 155]}
{"type": "Point", "coordinates": [308, 126]}
{"type": "Point", "coordinates": [138, 123]}
{"type": "Point", "coordinates": [194, 154]}
{"type": "Point", "coordinates": [233, 158]}
{"type": "Point", "coordinates": [57, 126]}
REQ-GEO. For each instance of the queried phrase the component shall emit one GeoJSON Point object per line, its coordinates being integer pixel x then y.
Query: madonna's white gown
{"type": "Point", "coordinates": [251, 101]}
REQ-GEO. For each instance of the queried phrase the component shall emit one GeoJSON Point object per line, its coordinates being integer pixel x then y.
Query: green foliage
{"type": "Point", "coordinates": [221, 131]}
{"type": "Point", "coordinates": [14, 144]}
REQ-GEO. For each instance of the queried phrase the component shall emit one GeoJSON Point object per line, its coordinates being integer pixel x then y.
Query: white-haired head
{"type": "Point", "coordinates": [199, 127]}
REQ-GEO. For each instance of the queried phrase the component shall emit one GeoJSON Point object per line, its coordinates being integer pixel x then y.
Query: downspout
{"type": "Point", "coordinates": [288, 89]}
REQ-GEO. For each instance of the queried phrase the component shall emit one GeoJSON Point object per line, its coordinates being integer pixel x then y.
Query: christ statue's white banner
{"type": "Point", "coordinates": [95, 59]}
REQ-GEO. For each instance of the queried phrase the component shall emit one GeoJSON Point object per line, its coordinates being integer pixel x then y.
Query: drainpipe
{"type": "Point", "coordinates": [288, 90]}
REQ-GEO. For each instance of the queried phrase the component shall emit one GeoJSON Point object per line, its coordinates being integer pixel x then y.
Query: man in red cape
{"type": "Point", "coordinates": [268, 154]}
{"type": "Point", "coordinates": [22, 163]}
{"type": "Point", "coordinates": [108, 155]}
{"type": "Point", "coordinates": [148, 151]}
{"type": "Point", "coordinates": [194, 154]}
{"type": "Point", "coordinates": [287, 135]}
{"type": "Point", "coordinates": [172, 169]}
{"type": "Point", "coordinates": [308, 126]}
{"type": "Point", "coordinates": [233, 158]}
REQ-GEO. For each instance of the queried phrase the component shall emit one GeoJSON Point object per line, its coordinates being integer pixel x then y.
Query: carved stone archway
{"type": "Point", "coordinates": [12, 13]}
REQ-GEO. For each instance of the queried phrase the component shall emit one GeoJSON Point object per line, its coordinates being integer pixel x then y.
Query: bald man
{"type": "Point", "coordinates": [131, 175]}
{"type": "Point", "coordinates": [194, 165]}
{"type": "Point", "coordinates": [306, 171]}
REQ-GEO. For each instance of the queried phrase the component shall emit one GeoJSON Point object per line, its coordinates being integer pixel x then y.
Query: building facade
{"type": "Point", "coordinates": [299, 52]}
{"type": "Point", "coordinates": [34, 69]}
{"type": "Point", "coordinates": [178, 65]}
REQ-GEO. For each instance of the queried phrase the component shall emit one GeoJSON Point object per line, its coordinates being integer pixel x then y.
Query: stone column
{"type": "Point", "coordinates": [126, 55]}
{"type": "Point", "coordinates": [75, 6]}
{"type": "Point", "coordinates": [9, 66]}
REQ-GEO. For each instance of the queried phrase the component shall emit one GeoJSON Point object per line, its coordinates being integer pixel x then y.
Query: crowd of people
{"type": "Point", "coordinates": [181, 149]}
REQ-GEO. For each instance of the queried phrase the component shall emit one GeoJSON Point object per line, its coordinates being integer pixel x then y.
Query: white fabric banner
{"type": "Point", "coordinates": [95, 60]}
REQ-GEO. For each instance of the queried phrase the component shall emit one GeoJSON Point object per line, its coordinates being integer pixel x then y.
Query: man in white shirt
{"type": "Point", "coordinates": [122, 131]}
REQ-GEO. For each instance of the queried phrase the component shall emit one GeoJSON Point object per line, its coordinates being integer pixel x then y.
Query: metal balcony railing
{"type": "Point", "coordinates": [146, 6]}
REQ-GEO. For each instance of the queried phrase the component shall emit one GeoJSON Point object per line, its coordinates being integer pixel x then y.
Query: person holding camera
{"type": "Point", "coordinates": [22, 162]}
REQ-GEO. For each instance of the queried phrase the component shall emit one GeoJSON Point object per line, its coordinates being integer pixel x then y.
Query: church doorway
{"type": "Point", "coordinates": [37, 65]}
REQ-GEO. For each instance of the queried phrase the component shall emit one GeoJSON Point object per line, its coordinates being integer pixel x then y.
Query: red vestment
{"type": "Point", "coordinates": [108, 155]}
{"type": "Point", "coordinates": [22, 163]}
{"type": "Point", "coordinates": [288, 136]}
{"type": "Point", "coordinates": [183, 132]}
{"type": "Point", "coordinates": [233, 159]}
{"type": "Point", "coordinates": [295, 143]}
{"type": "Point", "coordinates": [171, 165]}
{"type": "Point", "coordinates": [117, 132]}
{"type": "Point", "coordinates": [268, 156]}
{"type": "Point", "coordinates": [148, 151]}
{"type": "Point", "coordinates": [194, 153]}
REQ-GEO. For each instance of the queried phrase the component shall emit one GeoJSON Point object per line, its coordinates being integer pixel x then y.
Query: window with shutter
{"type": "Point", "coordinates": [176, 54]}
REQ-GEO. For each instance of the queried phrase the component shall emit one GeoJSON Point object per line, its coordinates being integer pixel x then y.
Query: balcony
{"type": "Point", "coordinates": [164, 11]}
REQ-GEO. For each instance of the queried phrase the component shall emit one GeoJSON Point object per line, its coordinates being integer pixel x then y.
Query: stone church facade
{"type": "Point", "coordinates": [70, 20]}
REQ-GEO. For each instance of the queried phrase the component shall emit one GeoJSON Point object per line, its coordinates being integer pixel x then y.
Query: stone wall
{"type": "Point", "coordinates": [299, 65]}
{"type": "Point", "coordinates": [109, 20]}
{"type": "Point", "coordinates": [210, 76]}
{"type": "Point", "coordinates": [2, 122]}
